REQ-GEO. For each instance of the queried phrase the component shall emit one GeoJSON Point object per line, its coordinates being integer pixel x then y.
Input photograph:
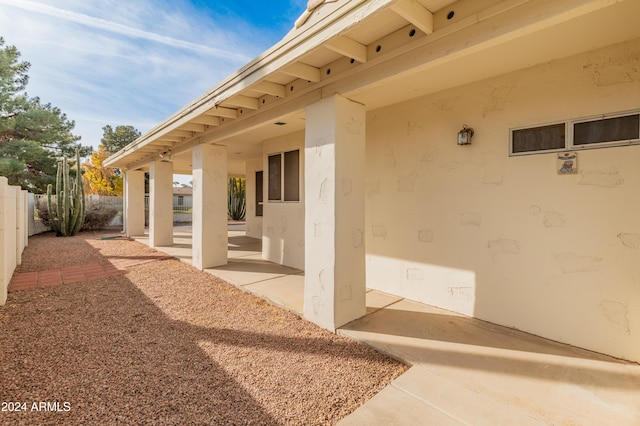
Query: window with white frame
{"type": "Point", "coordinates": [284, 176]}
{"type": "Point", "coordinates": [594, 132]}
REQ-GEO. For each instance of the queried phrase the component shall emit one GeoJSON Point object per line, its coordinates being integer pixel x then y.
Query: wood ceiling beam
{"type": "Point", "coordinates": [163, 142]}
{"type": "Point", "coordinates": [194, 127]}
{"type": "Point", "coordinates": [415, 13]}
{"type": "Point", "coordinates": [208, 120]}
{"type": "Point", "coordinates": [170, 139]}
{"type": "Point", "coordinates": [270, 88]}
{"type": "Point", "coordinates": [349, 48]}
{"type": "Point", "coordinates": [182, 133]}
{"type": "Point", "coordinates": [242, 101]}
{"type": "Point", "coordinates": [303, 71]}
{"type": "Point", "coordinates": [223, 112]}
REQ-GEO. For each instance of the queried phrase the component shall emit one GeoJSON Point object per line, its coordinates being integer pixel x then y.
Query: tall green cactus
{"type": "Point", "coordinates": [236, 199]}
{"type": "Point", "coordinates": [68, 216]}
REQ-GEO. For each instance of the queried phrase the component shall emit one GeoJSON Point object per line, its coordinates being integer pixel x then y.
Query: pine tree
{"type": "Point", "coordinates": [33, 135]}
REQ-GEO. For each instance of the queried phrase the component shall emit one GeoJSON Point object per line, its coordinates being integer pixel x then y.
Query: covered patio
{"type": "Point", "coordinates": [348, 132]}
{"type": "Point", "coordinates": [464, 370]}
{"type": "Point", "coordinates": [281, 285]}
{"type": "Point", "coordinates": [433, 249]}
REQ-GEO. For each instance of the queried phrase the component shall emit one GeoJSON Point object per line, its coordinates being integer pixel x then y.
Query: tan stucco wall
{"type": "Point", "coordinates": [253, 222]}
{"type": "Point", "coordinates": [283, 222]}
{"type": "Point", "coordinates": [507, 239]}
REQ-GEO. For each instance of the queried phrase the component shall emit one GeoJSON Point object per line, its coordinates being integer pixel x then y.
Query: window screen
{"type": "Point", "coordinates": [259, 193]}
{"type": "Point", "coordinates": [291, 176]}
{"type": "Point", "coordinates": [607, 130]}
{"type": "Point", "coordinates": [541, 138]}
{"type": "Point", "coordinates": [275, 177]}
{"type": "Point", "coordinates": [284, 176]}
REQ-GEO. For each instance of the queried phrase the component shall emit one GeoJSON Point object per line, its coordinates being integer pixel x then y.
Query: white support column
{"type": "Point", "coordinates": [209, 236]}
{"type": "Point", "coordinates": [160, 204]}
{"type": "Point", "coordinates": [134, 202]}
{"type": "Point", "coordinates": [334, 288]}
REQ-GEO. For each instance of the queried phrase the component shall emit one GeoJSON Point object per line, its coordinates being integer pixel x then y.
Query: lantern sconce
{"type": "Point", "coordinates": [165, 156]}
{"type": "Point", "coordinates": [464, 135]}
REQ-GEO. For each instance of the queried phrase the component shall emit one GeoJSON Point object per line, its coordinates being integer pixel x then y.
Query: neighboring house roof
{"type": "Point", "coordinates": [182, 191]}
{"type": "Point", "coordinates": [377, 52]}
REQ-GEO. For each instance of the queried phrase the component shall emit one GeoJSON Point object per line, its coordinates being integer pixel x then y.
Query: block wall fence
{"type": "Point", "coordinates": [14, 232]}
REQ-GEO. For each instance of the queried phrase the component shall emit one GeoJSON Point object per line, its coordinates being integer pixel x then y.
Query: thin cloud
{"type": "Point", "coordinates": [123, 62]}
{"type": "Point", "coordinates": [114, 27]}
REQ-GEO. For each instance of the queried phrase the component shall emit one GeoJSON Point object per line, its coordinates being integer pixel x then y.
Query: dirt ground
{"type": "Point", "coordinates": [168, 344]}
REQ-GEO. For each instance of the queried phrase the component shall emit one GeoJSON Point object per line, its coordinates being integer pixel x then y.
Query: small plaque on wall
{"type": "Point", "coordinates": [567, 163]}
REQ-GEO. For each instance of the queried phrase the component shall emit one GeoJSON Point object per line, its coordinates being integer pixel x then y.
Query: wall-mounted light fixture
{"type": "Point", "coordinates": [464, 135]}
{"type": "Point", "coordinates": [165, 156]}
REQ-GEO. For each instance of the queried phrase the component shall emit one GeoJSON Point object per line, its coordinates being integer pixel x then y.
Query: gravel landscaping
{"type": "Point", "coordinates": [167, 344]}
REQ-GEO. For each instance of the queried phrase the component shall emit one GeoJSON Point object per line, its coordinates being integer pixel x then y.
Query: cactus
{"type": "Point", "coordinates": [68, 215]}
{"type": "Point", "coordinates": [236, 201]}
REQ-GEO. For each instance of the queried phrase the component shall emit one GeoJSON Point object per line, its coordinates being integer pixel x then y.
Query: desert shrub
{"type": "Point", "coordinates": [98, 215]}
{"type": "Point", "coordinates": [43, 212]}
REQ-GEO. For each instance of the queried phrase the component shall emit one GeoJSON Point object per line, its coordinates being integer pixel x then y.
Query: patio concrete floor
{"type": "Point", "coordinates": [463, 370]}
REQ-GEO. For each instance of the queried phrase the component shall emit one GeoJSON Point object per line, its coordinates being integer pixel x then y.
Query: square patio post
{"type": "Point", "coordinates": [209, 236]}
{"type": "Point", "coordinates": [160, 204]}
{"type": "Point", "coordinates": [134, 203]}
{"type": "Point", "coordinates": [334, 289]}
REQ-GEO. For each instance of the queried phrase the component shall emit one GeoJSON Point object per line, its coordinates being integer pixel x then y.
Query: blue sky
{"type": "Point", "coordinates": [136, 61]}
